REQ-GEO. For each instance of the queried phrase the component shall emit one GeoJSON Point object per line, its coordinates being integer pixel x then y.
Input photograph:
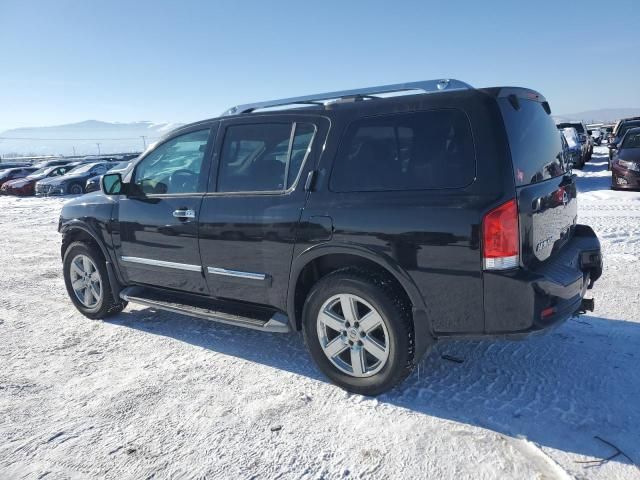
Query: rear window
{"type": "Point", "coordinates": [536, 147]}
{"type": "Point", "coordinates": [409, 151]}
{"type": "Point", "coordinates": [578, 126]}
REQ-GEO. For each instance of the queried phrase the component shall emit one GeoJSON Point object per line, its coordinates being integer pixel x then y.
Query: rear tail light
{"type": "Point", "coordinates": [501, 237]}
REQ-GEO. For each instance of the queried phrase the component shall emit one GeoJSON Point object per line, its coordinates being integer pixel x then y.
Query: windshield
{"type": "Point", "coordinates": [627, 126]}
{"type": "Point", "coordinates": [119, 166]}
{"type": "Point", "coordinates": [632, 140]}
{"type": "Point", "coordinates": [40, 173]}
{"type": "Point", "coordinates": [82, 168]}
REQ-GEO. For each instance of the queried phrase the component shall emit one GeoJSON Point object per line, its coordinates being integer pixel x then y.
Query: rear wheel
{"type": "Point", "coordinates": [76, 189]}
{"type": "Point", "coordinates": [358, 330]}
{"type": "Point", "coordinates": [87, 282]}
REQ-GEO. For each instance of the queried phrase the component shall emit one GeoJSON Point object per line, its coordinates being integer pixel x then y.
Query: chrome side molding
{"type": "Point", "coordinates": [162, 263]}
{"type": "Point", "coordinates": [236, 273]}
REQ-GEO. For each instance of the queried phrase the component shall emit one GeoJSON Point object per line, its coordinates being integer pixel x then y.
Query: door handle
{"type": "Point", "coordinates": [184, 213]}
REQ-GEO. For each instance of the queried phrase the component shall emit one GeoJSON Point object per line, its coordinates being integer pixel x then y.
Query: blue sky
{"type": "Point", "coordinates": [63, 61]}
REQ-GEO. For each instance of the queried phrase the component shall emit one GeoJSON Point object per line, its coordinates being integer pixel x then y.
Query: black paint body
{"type": "Point", "coordinates": [429, 240]}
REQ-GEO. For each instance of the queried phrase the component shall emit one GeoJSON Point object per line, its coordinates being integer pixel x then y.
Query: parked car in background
{"type": "Point", "coordinates": [93, 184]}
{"type": "Point", "coordinates": [597, 135]}
{"type": "Point", "coordinates": [55, 163]}
{"type": "Point", "coordinates": [374, 225]}
{"type": "Point", "coordinates": [585, 138]}
{"type": "Point", "coordinates": [72, 182]}
{"type": "Point", "coordinates": [15, 173]}
{"type": "Point", "coordinates": [575, 150]}
{"type": "Point", "coordinates": [625, 166]}
{"type": "Point", "coordinates": [618, 132]}
{"type": "Point", "coordinates": [579, 150]}
{"type": "Point", "coordinates": [7, 165]}
{"type": "Point", "coordinates": [26, 186]}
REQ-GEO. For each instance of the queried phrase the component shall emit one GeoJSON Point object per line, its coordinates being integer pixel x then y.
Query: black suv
{"type": "Point", "coordinates": [374, 223]}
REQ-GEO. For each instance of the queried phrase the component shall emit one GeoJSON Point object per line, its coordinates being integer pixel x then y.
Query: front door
{"type": "Point", "coordinates": [157, 226]}
{"type": "Point", "coordinates": [256, 196]}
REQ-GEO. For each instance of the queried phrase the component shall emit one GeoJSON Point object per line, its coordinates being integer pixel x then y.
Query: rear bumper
{"type": "Point", "coordinates": [522, 301]}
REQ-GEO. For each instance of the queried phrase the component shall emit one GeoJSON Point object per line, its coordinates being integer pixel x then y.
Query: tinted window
{"type": "Point", "coordinates": [263, 157]}
{"type": "Point", "coordinates": [536, 148]}
{"type": "Point", "coordinates": [627, 126]}
{"type": "Point", "coordinates": [174, 166]}
{"type": "Point", "coordinates": [411, 151]}
{"type": "Point", "coordinates": [578, 126]}
{"type": "Point", "coordinates": [631, 140]}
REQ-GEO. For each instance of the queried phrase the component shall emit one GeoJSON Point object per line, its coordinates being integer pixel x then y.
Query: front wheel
{"type": "Point", "coordinates": [87, 282]}
{"type": "Point", "coordinates": [359, 332]}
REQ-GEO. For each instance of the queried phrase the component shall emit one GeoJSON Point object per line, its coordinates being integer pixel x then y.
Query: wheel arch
{"type": "Point", "coordinates": [78, 231]}
{"type": "Point", "coordinates": [319, 261]}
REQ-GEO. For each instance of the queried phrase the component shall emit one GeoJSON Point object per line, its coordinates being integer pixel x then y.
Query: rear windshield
{"type": "Point", "coordinates": [536, 147]}
{"type": "Point", "coordinates": [578, 126]}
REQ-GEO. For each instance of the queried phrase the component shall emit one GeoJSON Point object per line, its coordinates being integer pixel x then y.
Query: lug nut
{"type": "Point", "coordinates": [350, 343]}
{"type": "Point", "coordinates": [347, 324]}
{"type": "Point", "coordinates": [356, 324]}
{"type": "Point", "coordinates": [360, 342]}
{"type": "Point", "coordinates": [343, 333]}
{"type": "Point", "coordinates": [363, 334]}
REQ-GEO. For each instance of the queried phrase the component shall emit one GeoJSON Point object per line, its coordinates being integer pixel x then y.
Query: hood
{"type": "Point", "coordinates": [629, 154]}
{"type": "Point", "coordinates": [60, 179]}
{"type": "Point", "coordinates": [81, 202]}
{"type": "Point", "coordinates": [17, 183]}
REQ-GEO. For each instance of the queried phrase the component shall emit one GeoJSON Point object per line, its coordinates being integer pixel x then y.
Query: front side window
{"type": "Point", "coordinates": [266, 157]}
{"type": "Point", "coordinates": [409, 151]}
{"type": "Point", "coordinates": [173, 167]}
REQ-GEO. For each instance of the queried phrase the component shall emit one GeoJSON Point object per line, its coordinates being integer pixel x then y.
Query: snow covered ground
{"type": "Point", "coordinates": [154, 394]}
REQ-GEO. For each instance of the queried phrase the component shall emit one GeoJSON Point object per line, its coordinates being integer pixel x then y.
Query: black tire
{"type": "Point", "coordinates": [391, 306]}
{"type": "Point", "coordinates": [75, 189]}
{"type": "Point", "coordinates": [107, 305]}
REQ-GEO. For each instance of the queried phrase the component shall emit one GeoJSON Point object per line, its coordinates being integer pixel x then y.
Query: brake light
{"type": "Point", "coordinates": [501, 237]}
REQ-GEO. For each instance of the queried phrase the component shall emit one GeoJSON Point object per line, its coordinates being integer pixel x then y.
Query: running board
{"type": "Point", "coordinates": [254, 318]}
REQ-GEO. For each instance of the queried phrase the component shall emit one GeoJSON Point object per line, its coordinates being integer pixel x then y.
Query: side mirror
{"type": "Point", "coordinates": [111, 184]}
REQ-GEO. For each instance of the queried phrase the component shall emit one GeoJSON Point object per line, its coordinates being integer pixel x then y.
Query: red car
{"type": "Point", "coordinates": [625, 167]}
{"type": "Point", "coordinates": [26, 186]}
{"type": "Point", "coordinates": [15, 173]}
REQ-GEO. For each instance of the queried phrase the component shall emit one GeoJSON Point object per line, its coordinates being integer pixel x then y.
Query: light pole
{"type": "Point", "coordinates": [144, 142]}
{"type": "Point", "coordinates": [98, 147]}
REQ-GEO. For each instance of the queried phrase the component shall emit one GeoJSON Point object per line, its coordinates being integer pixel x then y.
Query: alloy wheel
{"type": "Point", "coordinates": [353, 335]}
{"type": "Point", "coordinates": [86, 281]}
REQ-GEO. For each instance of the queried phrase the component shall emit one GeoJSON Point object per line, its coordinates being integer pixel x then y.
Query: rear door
{"type": "Point", "coordinates": [256, 195]}
{"type": "Point", "coordinates": [157, 222]}
{"type": "Point", "coordinates": [545, 187]}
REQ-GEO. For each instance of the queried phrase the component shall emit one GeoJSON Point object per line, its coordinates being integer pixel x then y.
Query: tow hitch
{"type": "Point", "coordinates": [586, 305]}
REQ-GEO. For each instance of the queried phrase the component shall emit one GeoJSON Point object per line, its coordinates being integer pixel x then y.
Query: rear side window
{"type": "Point", "coordinates": [536, 148]}
{"type": "Point", "coordinates": [263, 157]}
{"type": "Point", "coordinates": [409, 151]}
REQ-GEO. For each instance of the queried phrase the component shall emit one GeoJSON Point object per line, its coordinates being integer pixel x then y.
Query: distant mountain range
{"type": "Point", "coordinates": [604, 115]}
{"type": "Point", "coordinates": [114, 137]}
{"type": "Point", "coordinates": [82, 138]}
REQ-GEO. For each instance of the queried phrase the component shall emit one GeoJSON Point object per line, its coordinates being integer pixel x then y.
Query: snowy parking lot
{"type": "Point", "coordinates": [154, 394]}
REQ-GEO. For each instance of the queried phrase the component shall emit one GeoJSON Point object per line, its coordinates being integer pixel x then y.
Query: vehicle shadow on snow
{"type": "Point", "coordinates": [559, 390]}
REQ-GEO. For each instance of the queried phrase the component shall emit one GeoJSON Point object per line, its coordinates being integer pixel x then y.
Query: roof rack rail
{"type": "Point", "coordinates": [428, 86]}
